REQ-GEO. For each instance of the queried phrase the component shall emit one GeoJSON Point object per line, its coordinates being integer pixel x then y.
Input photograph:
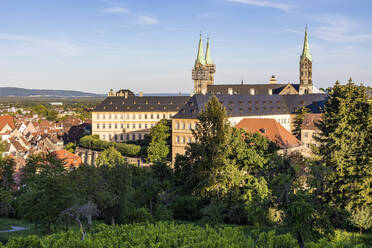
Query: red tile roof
{"type": "Point", "coordinates": [71, 160]}
{"type": "Point", "coordinates": [271, 129]}
{"type": "Point", "coordinates": [6, 119]}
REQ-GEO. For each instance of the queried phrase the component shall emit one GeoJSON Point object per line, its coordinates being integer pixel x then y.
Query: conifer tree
{"type": "Point", "coordinates": [298, 120]}
{"type": "Point", "coordinates": [346, 147]}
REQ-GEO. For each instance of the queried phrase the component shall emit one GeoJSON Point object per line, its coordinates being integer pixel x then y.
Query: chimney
{"type": "Point", "coordinates": [140, 94]}
{"type": "Point", "coordinates": [252, 91]}
{"type": "Point", "coordinates": [270, 91]}
{"type": "Point", "coordinates": [230, 91]}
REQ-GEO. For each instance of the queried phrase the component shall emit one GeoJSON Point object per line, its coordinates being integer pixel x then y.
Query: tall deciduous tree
{"type": "Point", "coordinates": [158, 149]}
{"type": "Point", "coordinates": [346, 147]}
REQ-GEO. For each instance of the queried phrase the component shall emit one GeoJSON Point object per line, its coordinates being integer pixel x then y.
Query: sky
{"type": "Point", "coordinates": [151, 45]}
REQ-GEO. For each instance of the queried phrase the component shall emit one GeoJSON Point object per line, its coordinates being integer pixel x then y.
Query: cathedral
{"type": "Point", "coordinates": [204, 69]}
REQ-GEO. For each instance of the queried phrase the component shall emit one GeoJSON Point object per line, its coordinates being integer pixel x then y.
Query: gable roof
{"type": "Point", "coordinates": [7, 120]}
{"type": "Point", "coordinates": [271, 129]}
{"type": "Point", "coordinates": [254, 105]}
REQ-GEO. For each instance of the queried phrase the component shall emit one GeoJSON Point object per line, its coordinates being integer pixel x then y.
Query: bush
{"type": "Point", "coordinates": [362, 218]}
{"type": "Point", "coordinates": [139, 215]}
{"type": "Point", "coordinates": [186, 208]}
{"type": "Point", "coordinates": [213, 213]}
{"type": "Point", "coordinates": [162, 213]}
{"type": "Point", "coordinates": [94, 143]}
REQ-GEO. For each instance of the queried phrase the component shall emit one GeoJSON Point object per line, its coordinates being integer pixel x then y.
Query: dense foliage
{"type": "Point", "coordinates": [94, 143]}
{"type": "Point", "coordinates": [167, 234]}
{"type": "Point", "coordinates": [346, 148]}
{"type": "Point", "coordinates": [226, 176]}
{"type": "Point", "coordinates": [158, 148]}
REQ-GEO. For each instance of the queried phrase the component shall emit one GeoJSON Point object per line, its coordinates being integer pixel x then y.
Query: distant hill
{"type": "Point", "coordinates": [21, 92]}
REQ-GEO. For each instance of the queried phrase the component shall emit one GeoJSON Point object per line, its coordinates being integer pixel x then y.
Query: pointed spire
{"type": "Point", "coordinates": [208, 59]}
{"type": "Point", "coordinates": [199, 57]}
{"type": "Point", "coordinates": [306, 50]}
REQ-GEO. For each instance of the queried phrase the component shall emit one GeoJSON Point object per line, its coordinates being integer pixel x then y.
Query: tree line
{"type": "Point", "coordinates": [227, 176]}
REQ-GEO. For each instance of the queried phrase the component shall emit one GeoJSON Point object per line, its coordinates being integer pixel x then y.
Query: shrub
{"type": "Point", "coordinates": [362, 218]}
{"type": "Point", "coordinates": [162, 213]}
{"type": "Point", "coordinates": [186, 208]}
{"type": "Point", "coordinates": [139, 215]}
{"type": "Point", "coordinates": [213, 213]}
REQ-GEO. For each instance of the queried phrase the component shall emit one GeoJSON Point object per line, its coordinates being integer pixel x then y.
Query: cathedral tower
{"type": "Point", "coordinates": [203, 71]}
{"type": "Point", "coordinates": [306, 64]}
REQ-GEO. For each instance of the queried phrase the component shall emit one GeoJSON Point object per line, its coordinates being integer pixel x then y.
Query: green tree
{"type": "Point", "coordinates": [158, 149]}
{"type": "Point", "coordinates": [306, 218]}
{"type": "Point", "coordinates": [110, 157]}
{"type": "Point", "coordinates": [47, 192]}
{"type": "Point", "coordinates": [207, 163]}
{"type": "Point", "coordinates": [298, 120]}
{"type": "Point", "coordinates": [361, 218]}
{"type": "Point", "coordinates": [346, 147]}
{"type": "Point", "coordinates": [71, 147]}
{"type": "Point", "coordinates": [7, 167]}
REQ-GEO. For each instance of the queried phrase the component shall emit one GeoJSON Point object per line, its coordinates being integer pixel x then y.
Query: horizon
{"type": "Point", "coordinates": [151, 47]}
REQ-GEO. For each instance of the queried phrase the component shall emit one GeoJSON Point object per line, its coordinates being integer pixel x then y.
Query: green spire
{"type": "Point", "coordinates": [306, 51]}
{"type": "Point", "coordinates": [208, 59]}
{"type": "Point", "coordinates": [200, 58]}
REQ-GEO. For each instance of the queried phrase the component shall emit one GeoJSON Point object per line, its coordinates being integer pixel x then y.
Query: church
{"type": "Point", "coordinates": [204, 69]}
{"type": "Point", "coordinates": [124, 116]}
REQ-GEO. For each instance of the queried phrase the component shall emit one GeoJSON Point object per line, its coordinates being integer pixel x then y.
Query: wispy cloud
{"type": "Point", "coordinates": [263, 3]}
{"type": "Point", "coordinates": [56, 45]}
{"type": "Point", "coordinates": [147, 20]}
{"type": "Point", "coordinates": [339, 28]}
{"type": "Point", "coordinates": [115, 10]}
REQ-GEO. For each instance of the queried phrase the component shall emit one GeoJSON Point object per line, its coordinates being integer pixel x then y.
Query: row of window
{"type": "Point", "coordinates": [122, 126]}
{"type": "Point", "coordinates": [182, 140]}
{"type": "Point", "coordinates": [132, 116]}
{"type": "Point", "coordinates": [185, 125]}
{"type": "Point", "coordinates": [283, 121]}
{"type": "Point", "coordinates": [122, 136]}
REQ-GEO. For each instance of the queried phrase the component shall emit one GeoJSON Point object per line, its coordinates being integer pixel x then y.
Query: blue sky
{"type": "Point", "coordinates": [150, 45]}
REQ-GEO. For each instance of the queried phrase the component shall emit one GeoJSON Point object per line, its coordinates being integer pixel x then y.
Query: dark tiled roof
{"type": "Point", "coordinates": [142, 104]}
{"type": "Point", "coordinates": [254, 105]}
{"type": "Point", "coordinates": [260, 89]}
